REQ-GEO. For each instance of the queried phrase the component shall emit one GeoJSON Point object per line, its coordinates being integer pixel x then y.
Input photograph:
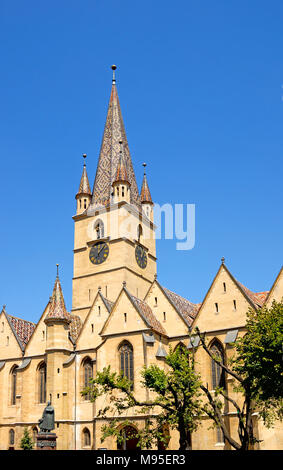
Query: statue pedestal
{"type": "Point", "coordinates": [46, 441]}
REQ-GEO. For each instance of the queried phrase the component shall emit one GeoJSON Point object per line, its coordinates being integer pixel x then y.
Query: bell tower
{"type": "Point", "coordinates": [114, 233]}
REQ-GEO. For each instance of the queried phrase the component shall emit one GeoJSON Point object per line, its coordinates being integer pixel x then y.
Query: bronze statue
{"type": "Point", "coordinates": [46, 423]}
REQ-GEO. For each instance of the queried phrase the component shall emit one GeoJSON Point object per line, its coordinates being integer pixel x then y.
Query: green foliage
{"type": "Point", "coordinates": [26, 442]}
{"type": "Point", "coordinates": [175, 392]}
{"type": "Point", "coordinates": [259, 360]}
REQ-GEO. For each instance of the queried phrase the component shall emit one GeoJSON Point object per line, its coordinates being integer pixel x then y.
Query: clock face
{"type": "Point", "coordinates": [141, 256]}
{"type": "Point", "coordinates": [99, 253]}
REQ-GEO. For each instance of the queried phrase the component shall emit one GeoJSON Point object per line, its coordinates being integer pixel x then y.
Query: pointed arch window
{"type": "Point", "coordinates": [42, 383]}
{"type": "Point", "coordinates": [139, 232]}
{"type": "Point", "coordinates": [87, 375]}
{"type": "Point", "coordinates": [86, 438]}
{"type": "Point", "coordinates": [217, 373]}
{"type": "Point", "coordinates": [13, 385]}
{"type": "Point", "coordinates": [127, 360]}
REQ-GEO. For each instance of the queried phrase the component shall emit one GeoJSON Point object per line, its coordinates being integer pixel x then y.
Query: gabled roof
{"type": "Point", "coordinates": [273, 285]}
{"type": "Point", "coordinates": [75, 328]}
{"type": "Point", "coordinates": [114, 131]}
{"type": "Point", "coordinates": [146, 313]}
{"type": "Point", "coordinates": [184, 307]}
{"type": "Point", "coordinates": [108, 304]}
{"type": "Point", "coordinates": [22, 329]}
{"type": "Point", "coordinates": [186, 310]}
{"type": "Point", "coordinates": [143, 310]}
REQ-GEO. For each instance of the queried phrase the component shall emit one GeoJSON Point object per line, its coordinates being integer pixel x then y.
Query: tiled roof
{"type": "Point", "coordinates": [108, 304]}
{"type": "Point", "coordinates": [114, 131]}
{"type": "Point", "coordinates": [257, 298]}
{"type": "Point", "coordinates": [187, 309]}
{"type": "Point", "coordinates": [57, 309]}
{"type": "Point", "coordinates": [145, 192]}
{"type": "Point", "coordinates": [23, 329]}
{"type": "Point", "coordinates": [121, 173]}
{"type": "Point", "coordinates": [75, 327]}
{"type": "Point", "coordinates": [84, 187]}
{"type": "Point", "coordinates": [147, 314]}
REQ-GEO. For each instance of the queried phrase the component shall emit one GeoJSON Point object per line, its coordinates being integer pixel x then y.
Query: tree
{"type": "Point", "coordinates": [258, 373]}
{"type": "Point", "coordinates": [176, 399]}
{"type": "Point", "coordinates": [26, 442]}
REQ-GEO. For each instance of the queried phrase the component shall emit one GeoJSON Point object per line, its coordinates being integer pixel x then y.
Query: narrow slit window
{"type": "Point", "coordinates": [235, 304]}
{"type": "Point", "coordinates": [224, 286]}
{"type": "Point", "coordinates": [216, 307]}
{"type": "Point", "coordinates": [155, 301]}
{"type": "Point", "coordinates": [125, 317]}
{"type": "Point", "coordinates": [84, 203]}
{"type": "Point", "coordinates": [164, 316]}
{"type": "Point", "coordinates": [92, 328]}
{"type": "Point", "coordinates": [123, 191]}
{"type": "Point", "coordinates": [99, 310]}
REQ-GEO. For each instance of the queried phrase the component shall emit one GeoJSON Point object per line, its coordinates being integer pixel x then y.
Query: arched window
{"type": "Point", "coordinates": [86, 438]}
{"type": "Point", "coordinates": [217, 373]}
{"type": "Point", "coordinates": [42, 383]}
{"type": "Point", "coordinates": [12, 437]}
{"type": "Point", "coordinates": [87, 375]}
{"type": "Point", "coordinates": [13, 385]}
{"type": "Point", "coordinates": [180, 345]}
{"type": "Point", "coordinates": [34, 433]}
{"type": "Point", "coordinates": [139, 232]}
{"type": "Point", "coordinates": [99, 229]}
{"type": "Point", "coordinates": [126, 360]}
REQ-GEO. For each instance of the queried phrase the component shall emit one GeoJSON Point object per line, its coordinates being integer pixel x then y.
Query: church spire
{"type": "Point", "coordinates": [145, 192]}
{"type": "Point", "coordinates": [83, 195]}
{"type": "Point", "coordinates": [121, 184]}
{"type": "Point", "coordinates": [57, 309]}
{"type": "Point", "coordinates": [109, 157]}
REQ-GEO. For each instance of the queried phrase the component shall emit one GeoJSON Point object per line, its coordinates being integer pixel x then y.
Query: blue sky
{"type": "Point", "coordinates": [200, 86]}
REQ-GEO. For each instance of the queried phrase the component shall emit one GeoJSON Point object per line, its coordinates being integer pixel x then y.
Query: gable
{"type": "Point", "coordinates": [116, 323]}
{"type": "Point", "coordinates": [224, 306]}
{"type": "Point", "coordinates": [164, 311]}
{"type": "Point", "coordinates": [90, 334]}
{"type": "Point", "coordinates": [9, 346]}
{"type": "Point", "coordinates": [37, 343]}
{"type": "Point", "coordinates": [276, 292]}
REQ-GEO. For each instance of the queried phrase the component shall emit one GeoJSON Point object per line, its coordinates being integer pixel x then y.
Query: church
{"type": "Point", "coordinates": [121, 316]}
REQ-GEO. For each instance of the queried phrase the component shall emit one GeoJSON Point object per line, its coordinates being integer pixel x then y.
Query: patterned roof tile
{"type": "Point", "coordinates": [114, 132]}
{"type": "Point", "coordinates": [57, 309]}
{"type": "Point", "coordinates": [187, 309]}
{"type": "Point", "coordinates": [147, 314]}
{"type": "Point", "coordinates": [23, 329]}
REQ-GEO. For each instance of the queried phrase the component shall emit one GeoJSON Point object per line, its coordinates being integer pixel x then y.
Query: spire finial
{"type": "Point", "coordinates": [144, 167]}
{"type": "Point", "coordinates": [57, 265]}
{"type": "Point", "coordinates": [113, 67]}
{"type": "Point", "coordinates": [222, 260]}
{"type": "Point", "coordinates": [84, 157]}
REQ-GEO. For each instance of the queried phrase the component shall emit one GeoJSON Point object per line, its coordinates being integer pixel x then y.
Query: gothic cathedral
{"type": "Point", "coordinates": [121, 316]}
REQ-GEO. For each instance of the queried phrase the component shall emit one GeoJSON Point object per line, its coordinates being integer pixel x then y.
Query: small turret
{"type": "Point", "coordinates": [83, 195]}
{"type": "Point", "coordinates": [57, 319]}
{"type": "Point", "coordinates": [121, 184]}
{"type": "Point", "coordinates": [145, 196]}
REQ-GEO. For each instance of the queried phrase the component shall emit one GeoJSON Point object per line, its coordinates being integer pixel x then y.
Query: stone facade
{"type": "Point", "coordinates": [117, 300]}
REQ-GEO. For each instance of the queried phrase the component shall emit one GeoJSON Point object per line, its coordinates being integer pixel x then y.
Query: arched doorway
{"type": "Point", "coordinates": [130, 440]}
